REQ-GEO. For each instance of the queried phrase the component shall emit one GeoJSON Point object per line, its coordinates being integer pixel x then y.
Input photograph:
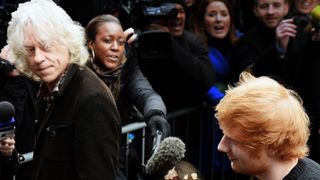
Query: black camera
{"type": "Point", "coordinates": [163, 12]}
{"type": "Point", "coordinates": [140, 13]}
{"type": "Point", "coordinates": [301, 21]}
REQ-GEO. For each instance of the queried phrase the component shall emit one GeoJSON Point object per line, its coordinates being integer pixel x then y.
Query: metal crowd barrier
{"type": "Point", "coordinates": [127, 129]}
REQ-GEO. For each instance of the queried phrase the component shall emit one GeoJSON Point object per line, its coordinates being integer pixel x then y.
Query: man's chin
{"type": "Point", "coordinates": [271, 25]}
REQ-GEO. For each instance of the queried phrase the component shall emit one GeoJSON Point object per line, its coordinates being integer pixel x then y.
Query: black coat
{"type": "Point", "coordinates": [78, 134]}
{"type": "Point", "coordinates": [257, 49]}
{"type": "Point", "coordinates": [180, 70]}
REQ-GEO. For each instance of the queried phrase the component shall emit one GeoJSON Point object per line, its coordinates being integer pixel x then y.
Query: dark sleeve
{"type": "Point", "coordinates": [191, 55]}
{"type": "Point", "coordinates": [21, 92]}
{"type": "Point", "coordinates": [141, 92]}
{"type": "Point", "coordinates": [262, 61]}
{"type": "Point", "coordinates": [97, 129]}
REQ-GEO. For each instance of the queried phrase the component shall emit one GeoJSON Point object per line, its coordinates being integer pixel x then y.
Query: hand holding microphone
{"type": "Point", "coordinates": [158, 122]}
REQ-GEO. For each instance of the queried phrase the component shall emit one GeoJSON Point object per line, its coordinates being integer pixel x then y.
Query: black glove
{"type": "Point", "coordinates": [158, 122]}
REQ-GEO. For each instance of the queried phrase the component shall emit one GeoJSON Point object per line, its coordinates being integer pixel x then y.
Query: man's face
{"type": "Point", "coordinates": [305, 6]}
{"type": "Point", "coordinates": [271, 12]}
{"type": "Point", "coordinates": [176, 26]}
{"type": "Point", "coordinates": [48, 60]}
{"type": "Point", "coordinates": [243, 160]}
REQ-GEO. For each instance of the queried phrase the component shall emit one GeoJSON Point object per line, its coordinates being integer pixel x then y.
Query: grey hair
{"type": "Point", "coordinates": [51, 24]}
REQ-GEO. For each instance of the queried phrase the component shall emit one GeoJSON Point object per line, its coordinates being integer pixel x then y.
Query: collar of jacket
{"type": "Point", "coordinates": [60, 86]}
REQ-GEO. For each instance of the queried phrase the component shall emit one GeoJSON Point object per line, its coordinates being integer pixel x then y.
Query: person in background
{"type": "Point", "coordinates": [77, 122]}
{"type": "Point", "coordinates": [266, 130]}
{"type": "Point", "coordinates": [190, 64]}
{"type": "Point", "coordinates": [303, 7]}
{"type": "Point", "coordinates": [19, 90]}
{"type": "Point", "coordinates": [183, 171]}
{"type": "Point", "coordinates": [132, 91]}
{"type": "Point", "coordinates": [215, 26]}
{"type": "Point", "coordinates": [177, 65]}
{"type": "Point", "coordinates": [257, 49]}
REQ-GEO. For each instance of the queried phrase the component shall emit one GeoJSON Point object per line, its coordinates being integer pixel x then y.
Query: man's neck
{"type": "Point", "coordinates": [278, 170]}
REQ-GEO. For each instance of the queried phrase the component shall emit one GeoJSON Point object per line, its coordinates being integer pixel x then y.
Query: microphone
{"type": "Point", "coordinates": [315, 17]}
{"type": "Point", "coordinates": [6, 66]}
{"type": "Point", "coordinates": [7, 121]}
{"type": "Point", "coordinates": [169, 152]}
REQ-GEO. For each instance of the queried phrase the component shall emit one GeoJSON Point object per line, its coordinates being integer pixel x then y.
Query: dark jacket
{"type": "Point", "coordinates": [179, 69]}
{"type": "Point", "coordinates": [77, 131]}
{"type": "Point", "coordinates": [305, 169]}
{"type": "Point", "coordinates": [257, 48]}
{"type": "Point", "coordinates": [303, 64]}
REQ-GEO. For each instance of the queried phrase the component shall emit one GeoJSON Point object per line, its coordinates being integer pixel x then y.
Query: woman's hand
{"type": "Point", "coordinates": [130, 35]}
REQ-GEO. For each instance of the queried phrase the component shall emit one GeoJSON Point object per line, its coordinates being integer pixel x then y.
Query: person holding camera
{"type": "Point", "coordinates": [181, 62]}
{"type": "Point", "coordinates": [177, 65]}
{"type": "Point", "coordinates": [258, 49]}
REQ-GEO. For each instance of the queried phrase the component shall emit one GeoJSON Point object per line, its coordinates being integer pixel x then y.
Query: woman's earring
{"type": "Point", "coordinates": [92, 55]}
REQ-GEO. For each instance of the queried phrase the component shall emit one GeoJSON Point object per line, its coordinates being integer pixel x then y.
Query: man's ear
{"type": "Point", "coordinates": [271, 152]}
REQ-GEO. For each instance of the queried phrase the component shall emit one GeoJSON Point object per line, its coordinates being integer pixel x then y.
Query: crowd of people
{"type": "Point", "coordinates": [80, 77]}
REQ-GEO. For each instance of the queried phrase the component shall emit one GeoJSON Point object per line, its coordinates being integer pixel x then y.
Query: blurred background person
{"type": "Point", "coordinates": [257, 49]}
{"type": "Point", "coordinates": [215, 27]}
{"type": "Point", "coordinates": [303, 7]}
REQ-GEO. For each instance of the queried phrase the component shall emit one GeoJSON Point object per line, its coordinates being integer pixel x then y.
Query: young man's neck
{"type": "Point", "coordinates": [278, 170]}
